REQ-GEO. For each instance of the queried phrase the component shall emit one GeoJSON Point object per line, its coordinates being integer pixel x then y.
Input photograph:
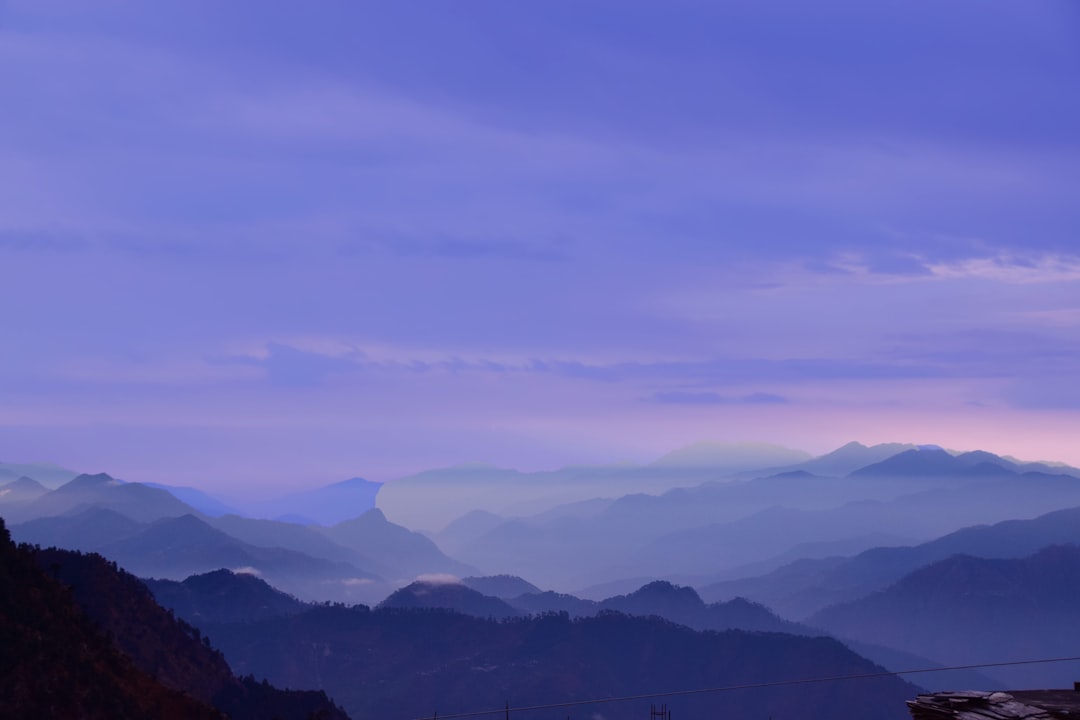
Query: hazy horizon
{"type": "Point", "coordinates": [272, 491]}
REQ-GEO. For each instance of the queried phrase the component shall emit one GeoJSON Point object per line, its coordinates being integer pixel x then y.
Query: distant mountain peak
{"type": "Point", "coordinates": [857, 447]}
{"type": "Point", "coordinates": [187, 520]}
{"type": "Point", "coordinates": [48, 474]}
{"type": "Point", "coordinates": [448, 596]}
{"type": "Point", "coordinates": [87, 480]}
{"type": "Point", "coordinates": [659, 597]}
{"type": "Point", "coordinates": [923, 460]}
{"type": "Point", "coordinates": [980, 456]}
{"type": "Point", "coordinates": [741, 602]}
{"type": "Point", "coordinates": [325, 505]}
{"type": "Point", "coordinates": [23, 484]}
{"type": "Point", "coordinates": [931, 460]}
{"type": "Point", "coordinates": [23, 488]}
{"type": "Point", "coordinates": [227, 580]}
{"type": "Point", "coordinates": [848, 458]}
{"type": "Point", "coordinates": [374, 515]}
{"type": "Point", "coordinates": [663, 588]}
{"type": "Point", "coordinates": [655, 587]}
{"type": "Point", "coordinates": [185, 527]}
{"type": "Point", "coordinates": [410, 553]}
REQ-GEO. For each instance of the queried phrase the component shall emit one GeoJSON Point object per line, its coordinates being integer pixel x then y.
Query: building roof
{"type": "Point", "coordinates": [1012, 705]}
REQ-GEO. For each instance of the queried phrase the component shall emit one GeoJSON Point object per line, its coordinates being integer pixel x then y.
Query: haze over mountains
{"type": "Point", "coordinates": [863, 544]}
{"type": "Point", "coordinates": [432, 500]}
{"type": "Point", "coordinates": [721, 524]}
{"type": "Point", "coordinates": [803, 587]}
{"type": "Point", "coordinates": [153, 533]}
{"type": "Point", "coordinates": [50, 475]}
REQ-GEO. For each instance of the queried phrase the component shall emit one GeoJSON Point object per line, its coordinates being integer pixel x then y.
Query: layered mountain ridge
{"type": "Point", "coordinates": [751, 542]}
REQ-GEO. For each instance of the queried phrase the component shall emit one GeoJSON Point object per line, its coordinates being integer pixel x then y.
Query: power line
{"type": "Point", "coordinates": [749, 686]}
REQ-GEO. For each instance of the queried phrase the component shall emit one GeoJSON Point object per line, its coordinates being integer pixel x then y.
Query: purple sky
{"type": "Point", "coordinates": [259, 245]}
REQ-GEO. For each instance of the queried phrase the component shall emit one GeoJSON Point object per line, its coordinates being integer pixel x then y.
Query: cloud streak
{"type": "Point", "coordinates": [683, 397]}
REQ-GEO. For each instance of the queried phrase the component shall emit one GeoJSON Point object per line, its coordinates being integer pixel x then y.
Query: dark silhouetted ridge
{"type": "Point", "coordinates": [167, 649]}
{"type": "Point", "coordinates": [411, 663]}
{"type": "Point", "coordinates": [657, 598]}
{"type": "Point", "coordinates": [222, 596]}
{"type": "Point", "coordinates": [548, 602]}
{"type": "Point", "coordinates": [54, 662]}
{"type": "Point", "coordinates": [448, 596]}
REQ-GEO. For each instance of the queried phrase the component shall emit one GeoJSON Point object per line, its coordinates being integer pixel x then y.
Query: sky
{"type": "Point", "coordinates": [258, 246]}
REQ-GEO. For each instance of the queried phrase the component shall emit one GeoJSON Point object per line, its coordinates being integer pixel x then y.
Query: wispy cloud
{"type": "Point", "coordinates": [684, 397]}
{"type": "Point", "coordinates": [291, 367]}
{"type": "Point", "coordinates": [456, 248]}
{"type": "Point", "coordinates": [438, 579]}
{"type": "Point", "coordinates": [1012, 269]}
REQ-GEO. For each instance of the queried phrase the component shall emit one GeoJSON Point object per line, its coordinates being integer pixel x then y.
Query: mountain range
{"type": "Point", "coordinates": [408, 648]}
{"type": "Point", "coordinates": [415, 663]}
{"type": "Point", "coordinates": [326, 505]}
{"type": "Point", "coordinates": [151, 532]}
{"type": "Point", "coordinates": [222, 596]}
{"type": "Point", "coordinates": [965, 609]}
{"type": "Point", "coordinates": [136, 501]}
{"type": "Point", "coordinates": [805, 586]}
{"type": "Point", "coordinates": [690, 534]}
{"type": "Point", "coordinates": [181, 546]}
{"type": "Point", "coordinates": [433, 499]}
{"type": "Point", "coordinates": [772, 550]}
